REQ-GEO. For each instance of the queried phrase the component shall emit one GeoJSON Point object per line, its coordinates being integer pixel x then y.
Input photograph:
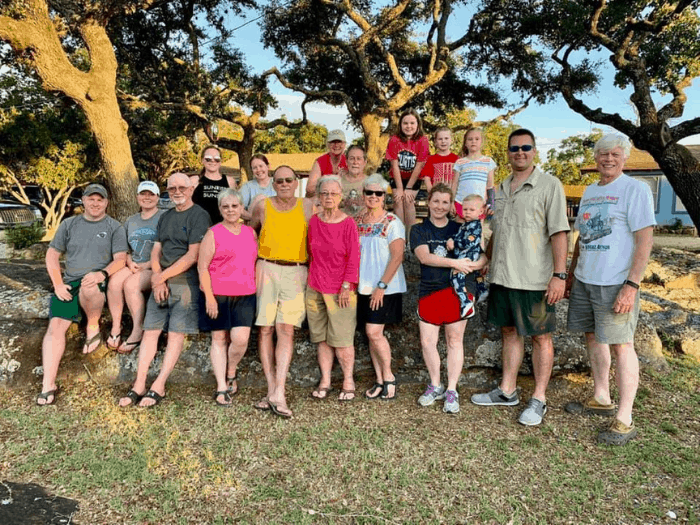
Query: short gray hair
{"type": "Point", "coordinates": [326, 179]}
{"type": "Point", "coordinates": [610, 142]}
{"type": "Point", "coordinates": [229, 192]}
{"type": "Point", "coordinates": [376, 178]}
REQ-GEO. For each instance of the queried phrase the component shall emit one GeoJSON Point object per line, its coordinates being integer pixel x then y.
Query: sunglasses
{"type": "Point", "coordinates": [525, 147]}
{"type": "Point", "coordinates": [212, 159]}
{"type": "Point", "coordinates": [377, 193]}
{"type": "Point", "coordinates": [288, 180]}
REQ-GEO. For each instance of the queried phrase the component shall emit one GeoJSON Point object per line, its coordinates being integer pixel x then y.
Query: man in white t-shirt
{"type": "Point", "coordinates": [615, 223]}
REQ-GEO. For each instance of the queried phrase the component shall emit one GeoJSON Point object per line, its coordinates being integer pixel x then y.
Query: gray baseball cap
{"type": "Point", "coordinates": [336, 134]}
{"type": "Point", "coordinates": [95, 188]}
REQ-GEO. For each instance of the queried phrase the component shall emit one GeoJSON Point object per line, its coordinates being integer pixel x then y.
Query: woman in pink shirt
{"type": "Point", "coordinates": [331, 298]}
{"type": "Point", "coordinates": [226, 267]}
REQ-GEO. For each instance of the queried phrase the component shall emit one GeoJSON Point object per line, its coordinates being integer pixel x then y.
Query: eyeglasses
{"type": "Point", "coordinates": [524, 147]}
{"type": "Point", "coordinates": [288, 180]}
{"type": "Point", "coordinates": [177, 189]}
{"type": "Point", "coordinates": [212, 159]}
{"type": "Point", "coordinates": [329, 194]}
{"type": "Point", "coordinates": [377, 193]}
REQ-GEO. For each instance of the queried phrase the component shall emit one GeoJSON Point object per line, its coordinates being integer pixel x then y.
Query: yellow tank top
{"type": "Point", "coordinates": [283, 234]}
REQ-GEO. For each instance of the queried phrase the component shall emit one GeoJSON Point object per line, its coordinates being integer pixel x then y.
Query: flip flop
{"type": "Point", "coordinates": [152, 394]}
{"type": "Point", "coordinates": [276, 411]}
{"type": "Point", "coordinates": [132, 344]}
{"type": "Point", "coordinates": [88, 343]}
{"type": "Point", "coordinates": [227, 399]}
{"type": "Point", "coordinates": [263, 404]}
{"type": "Point", "coordinates": [325, 390]}
{"type": "Point", "coordinates": [116, 339]}
{"type": "Point", "coordinates": [344, 392]}
{"type": "Point", "coordinates": [134, 396]}
{"type": "Point", "coordinates": [45, 397]}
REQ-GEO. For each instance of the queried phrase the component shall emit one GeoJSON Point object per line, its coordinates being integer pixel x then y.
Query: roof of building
{"type": "Point", "coordinates": [641, 160]}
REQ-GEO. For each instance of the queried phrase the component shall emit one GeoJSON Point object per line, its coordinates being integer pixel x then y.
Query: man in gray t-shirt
{"type": "Point", "coordinates": [94, 246]}
{"type": "Point", "coordinates": [173, 302]}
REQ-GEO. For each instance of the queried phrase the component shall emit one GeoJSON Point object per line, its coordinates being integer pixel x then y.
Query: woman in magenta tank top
{"type": "Point", "coordinates": [226, 267]}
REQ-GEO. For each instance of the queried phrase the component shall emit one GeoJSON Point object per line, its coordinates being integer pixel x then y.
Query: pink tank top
{"type": "Point", "coordinates": [232, 269]}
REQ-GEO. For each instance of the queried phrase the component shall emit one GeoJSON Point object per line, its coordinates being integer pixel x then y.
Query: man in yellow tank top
{"type": "Point", "coordinates": [280, 275]}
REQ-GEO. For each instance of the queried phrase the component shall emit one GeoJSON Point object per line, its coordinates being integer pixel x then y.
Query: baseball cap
{"type": "Point", "coordinates": [148, 185]}
{"type": "Point", "coordinates": [95, 188]}
{"type": "Point", "coordinates": [336, 134]}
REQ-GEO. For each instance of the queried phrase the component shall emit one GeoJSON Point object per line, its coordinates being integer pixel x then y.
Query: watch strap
{"type": "Point", "coordinates": [632, 284]}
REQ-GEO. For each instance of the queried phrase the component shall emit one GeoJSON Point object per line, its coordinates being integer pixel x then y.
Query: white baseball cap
{"type": "Point", "coordinates": [148, 185]}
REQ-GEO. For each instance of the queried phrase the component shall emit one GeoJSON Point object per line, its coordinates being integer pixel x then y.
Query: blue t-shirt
{"type": "Point", "coordinates": [432, 278]}
{"type": "Point", "coordinates": [141, 235]}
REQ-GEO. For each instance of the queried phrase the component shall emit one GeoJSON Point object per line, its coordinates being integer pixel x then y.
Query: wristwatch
{"type": "Point", "coordinates": [561, 276]}
{"type": "Point", "coordinates": [632, 284]}
{"type": "Point", "coordinates": [381, 285]}
{"type": "Point", "coordinates": [346, 286]}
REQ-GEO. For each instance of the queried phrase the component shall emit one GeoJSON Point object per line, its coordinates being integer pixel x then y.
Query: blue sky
{"type": "Point", "coordinates": [551, 122]}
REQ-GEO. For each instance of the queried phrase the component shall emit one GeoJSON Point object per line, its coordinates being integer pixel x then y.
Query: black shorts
{"type": "Point", "coordinates": [234, 311]}
{"type": "Point", "coordinates": [526, 310]}
{"type": "Point", "coordinates": [416, 185]}
{"type": "Point", "coordinates": [389, 313]}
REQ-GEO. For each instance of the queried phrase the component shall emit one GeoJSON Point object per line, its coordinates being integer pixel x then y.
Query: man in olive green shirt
{"type": "Point", "coordinates": [528, 273]}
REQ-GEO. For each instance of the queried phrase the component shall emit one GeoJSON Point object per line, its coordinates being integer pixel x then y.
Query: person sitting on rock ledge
{"type": "Point", "coordinates": [94, 245]}
{"type": "Point", "coordinates": [173, 304]}
{"type": "Point", "coordinates": [615, 223]}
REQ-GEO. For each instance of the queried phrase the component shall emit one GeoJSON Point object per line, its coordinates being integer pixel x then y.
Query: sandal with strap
{"type": "Point", "coordinates": [114, 341]}
{"type": "Point", "coordinates": [152, 394]}
{"type": "Point", "coordinates": [134, 396]}
{"type": "Point", "coordinates": [229, 384]}
{"type": "Point", "coordinates": [374, 387]}
{"type": "Point", "coordinates": [97, 338]}
{"type": "Point", "coordinates": [343, 397]}
{"type": "Point", "coordinates": [227, 398]}
{"type": "Point", "coordinates": [385, 391]}
{"type": "Point", "coordinates": [325, 390]}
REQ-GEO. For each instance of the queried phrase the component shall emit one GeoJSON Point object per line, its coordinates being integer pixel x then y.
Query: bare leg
{"type": "Point", "coordinates": [599, 355]}
{"type": "Point", "coordinates": [283, 359]}
{"type": "Point", "coordinates": [627, 376]}
{"type": "Point", "coordinates": [325, 355]}
{"type": "Point", "coordinates": [410, 213]}
{"type": "Point", "coordinates": [218, 361]}
{"type": "Point", "coordinates": [542, 362]}
{"type": "Point", "coordinates": [92, 302]}
{"type": "Point", "coordinates": [454, 334]}
{"type": "Point", "coordinates": [513, 352]}
{"type": "Point", "coordinates": [380, 351]}
{"type": "Point", "coordinates": [173, 350]}
{"type": "Point", "coordinates": [115, 299]}
{"type": "Point", "coordinates": [236, 350]}
{"type": "Point", "coordinates": [346, 358]}
{"type": "Point", "coordinates": [399, 207]}
{"type": "Point", "coordinates": [134, 287]}
{"type": "Point", "coordinates": [428, 342]}
{"type": "Point", "coordinates": [267, 357]}
{"type": "Point", "coordinates": [147, 351]}
{"type": "Point", "coordinates": [52, 348]}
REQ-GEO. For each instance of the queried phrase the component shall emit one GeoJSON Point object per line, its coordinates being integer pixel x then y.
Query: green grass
{"type": "Point", "coordinates": [189, 461]}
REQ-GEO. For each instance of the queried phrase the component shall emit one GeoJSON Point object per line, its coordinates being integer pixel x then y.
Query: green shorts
{"type": "Point", "coordinates": [526, 310]}
{"type": "Point", "coordinates": [70, 309]}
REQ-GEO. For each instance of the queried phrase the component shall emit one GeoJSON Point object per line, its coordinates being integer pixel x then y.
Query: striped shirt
{"type": "Point", "coordinates": [472, 176]}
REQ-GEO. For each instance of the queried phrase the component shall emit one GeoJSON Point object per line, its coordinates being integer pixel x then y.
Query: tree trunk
{"type": "Point", "coordinates": [682, 170]}
{"type": "Point", "coordinates": [245, 150]}
{"type": "Point", "coordinates": [109, 129]}
{"type": "Point", "coordinates": [375, 139]}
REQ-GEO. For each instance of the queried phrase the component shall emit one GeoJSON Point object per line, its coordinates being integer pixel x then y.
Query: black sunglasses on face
{"type": "Point", "coordinates": [377, 193]}
{"type": "Point", "coordinates": [288, 180]}
{"type": "Point", "coordinates": [525, 147]}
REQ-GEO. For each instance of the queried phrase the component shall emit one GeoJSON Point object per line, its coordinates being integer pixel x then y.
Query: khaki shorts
{"type": "Point", "coordinates": [329, 322]}
{"type": "Point", "coordinates": [280, 291]}
{"type": "Point", "coordinates": [591, 310]}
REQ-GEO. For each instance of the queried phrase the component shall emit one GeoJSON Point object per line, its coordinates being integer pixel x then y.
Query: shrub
{"type": "Point", "coordinates": [24, 236]}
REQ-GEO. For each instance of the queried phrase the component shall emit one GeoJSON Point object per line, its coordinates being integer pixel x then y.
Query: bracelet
{"type": "Point", "coordinates": [632, 284]}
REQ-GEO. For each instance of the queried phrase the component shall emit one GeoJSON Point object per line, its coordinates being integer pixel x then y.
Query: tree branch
{"type": "Point", "coordinates": [685, 129]}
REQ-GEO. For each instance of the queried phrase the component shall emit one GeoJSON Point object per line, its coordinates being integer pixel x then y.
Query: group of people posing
{"type": "Point", "coordinates": [335, 257]}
